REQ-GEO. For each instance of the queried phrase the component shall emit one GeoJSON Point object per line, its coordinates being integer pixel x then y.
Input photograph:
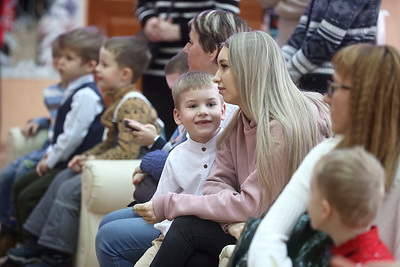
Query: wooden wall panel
{"type": "Point", "coordinates": [116, 17]}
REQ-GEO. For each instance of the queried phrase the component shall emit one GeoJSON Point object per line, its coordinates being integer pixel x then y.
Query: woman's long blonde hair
{"type": "Point", "coordinates": [268, 93]}
{"type": "Point", "coordinates": [374, 72]}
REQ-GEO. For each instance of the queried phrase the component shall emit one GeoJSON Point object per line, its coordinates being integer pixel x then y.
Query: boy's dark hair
{"type": "Point", "coordinates": [177, 64]}
{"type": "Point", "coordinates": [55, 47]}
{"type": "Point", "coordinates": [85, 41]}
{"type": "Point", "coordinates": [130, 52]}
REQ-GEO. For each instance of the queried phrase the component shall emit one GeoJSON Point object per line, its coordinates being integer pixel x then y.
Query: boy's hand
{"type": "Point", "coordinates": [144, 134]}
{"type": "Point", "coordinates": [41, 167]}
{"type": "Point", "coordinates": [236, 229]}
{"type": "Point", "coordinates": [77, 162]}
{"type": "Point", "coordinates": [30, 129]}
{"type": "Point", "coordinates": [146, 210]}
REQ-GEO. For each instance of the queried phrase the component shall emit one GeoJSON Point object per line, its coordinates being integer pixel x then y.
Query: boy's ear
{"type": "Point", "coordinates": [127, 74]}
{"type": "Point", "coordinates": [91, 66]}
{"type": "Point", "coordinates": [177, 117]}
{"type": "Point", "coordinates": [223, 111]}
{"type": "Point", "coordinates": [327, 209]}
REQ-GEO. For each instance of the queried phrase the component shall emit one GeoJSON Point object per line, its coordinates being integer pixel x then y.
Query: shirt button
{"type": "Point", "coordinates": [203, 149]}
{"type": "Point", "coordinates": [205, 166]}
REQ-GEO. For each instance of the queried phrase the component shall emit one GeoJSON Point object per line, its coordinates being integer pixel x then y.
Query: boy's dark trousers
{"type": "Point", "coordinates": [27, 192]}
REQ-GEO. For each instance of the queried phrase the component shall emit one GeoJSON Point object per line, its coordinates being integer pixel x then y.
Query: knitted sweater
{"type": "Point", "coordinates": [325, 27]}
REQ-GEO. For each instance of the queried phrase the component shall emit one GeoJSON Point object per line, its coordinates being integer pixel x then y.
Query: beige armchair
{"type": "Point", "coordinates": [106, 186]}
{"type": "Point", "coordinates": [18, 145]}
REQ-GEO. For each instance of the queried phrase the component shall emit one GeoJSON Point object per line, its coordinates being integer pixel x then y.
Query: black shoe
{"type": "Point", "coordinates": [27, 253]}
{"type": "Point", "coordinates": [53, 260]}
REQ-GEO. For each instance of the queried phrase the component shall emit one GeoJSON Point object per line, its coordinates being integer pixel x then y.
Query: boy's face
{"type": "Point", "coordinates": [315, 205]}
{"type": "Point", "coordinates": [200, 111]}
{"type": "Point", "coordinates": [109, 75]}
{"type": "Point", "coordinates": [71, 67]}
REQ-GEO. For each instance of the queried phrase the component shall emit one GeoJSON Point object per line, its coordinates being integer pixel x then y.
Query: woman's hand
{"type": "Point", "coordinates": [146, 210]}
{"type": "Point", "coordinates": [236, 229]}
{"type": "Point", "coordinates": [138, 175]}
{"type": "Point", "coordinates": [161, 30]}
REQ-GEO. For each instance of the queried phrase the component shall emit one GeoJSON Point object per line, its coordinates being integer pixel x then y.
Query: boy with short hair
{"type": "Point", "coordinates": [77, 125]}
{"type": "Point", "coordinates": [199, 108]}
{"type": "Point", "coordinates": [146, 176]}
{"type": "Point", "coordinates": [347, 189]}
{"type": "Point", "coordinates": [55, 221]}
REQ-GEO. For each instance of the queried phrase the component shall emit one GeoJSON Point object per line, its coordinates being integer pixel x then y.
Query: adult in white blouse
{"type": "Point", "coordinates": [365, 106]}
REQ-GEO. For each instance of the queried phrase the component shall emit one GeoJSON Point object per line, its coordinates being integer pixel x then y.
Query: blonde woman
{"type": "Point", "coordinates": [274, 128]}
{"type": "Point", "coordinates": [365, 105]}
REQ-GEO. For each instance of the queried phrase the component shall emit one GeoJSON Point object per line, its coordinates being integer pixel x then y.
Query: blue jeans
{"type": "Point", "coordinates": [9, 175]}
{"type": "Point", "coordinates": [123, 237]}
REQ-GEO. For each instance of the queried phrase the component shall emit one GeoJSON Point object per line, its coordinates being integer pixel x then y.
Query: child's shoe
{"type": "Point", "coordinates": [27, 253]}
{"type": "Point", "coordinates": [53, 260]}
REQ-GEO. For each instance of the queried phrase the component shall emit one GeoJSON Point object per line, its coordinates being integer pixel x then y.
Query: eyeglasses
{"type": "Point", "coordinates": [332, 87]}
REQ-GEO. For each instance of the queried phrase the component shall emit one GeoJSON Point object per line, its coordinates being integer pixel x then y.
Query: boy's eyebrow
{"type": "Point", "coordinates": [196, 100]}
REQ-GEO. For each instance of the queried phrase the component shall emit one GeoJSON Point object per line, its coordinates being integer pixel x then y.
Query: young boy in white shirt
{"type": "Point", "coordinates": [199, 108]}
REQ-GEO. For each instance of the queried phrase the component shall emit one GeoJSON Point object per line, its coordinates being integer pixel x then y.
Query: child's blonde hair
{"type": "Point", "coordinates": [130, 52]}
{"type": "Point", "coordinates": [84, 41]}
{"type": "Point", "coordinates": [353, 182]}
{"type": "Point", "coordinates": [192, 81]}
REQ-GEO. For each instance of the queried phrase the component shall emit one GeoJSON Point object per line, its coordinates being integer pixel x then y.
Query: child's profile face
{"type": "Point", "coordinates": [108, 73]}
{"type": "Point", "coordinates": [171, 79]}
{"type": "Point", "coordinates": [71, 67]}
{"type": "Point", "coordinates": [200, 111]}
{"type": "Point", "coordinates": [315, 207]}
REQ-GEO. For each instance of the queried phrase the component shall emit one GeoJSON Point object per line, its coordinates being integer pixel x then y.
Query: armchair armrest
{"type": "Point", "coordinates": [106, 187]}
{"type": "Point", "coordinates": [18, 145]}
{"type": "Point", "coordinates": [107, 184]}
